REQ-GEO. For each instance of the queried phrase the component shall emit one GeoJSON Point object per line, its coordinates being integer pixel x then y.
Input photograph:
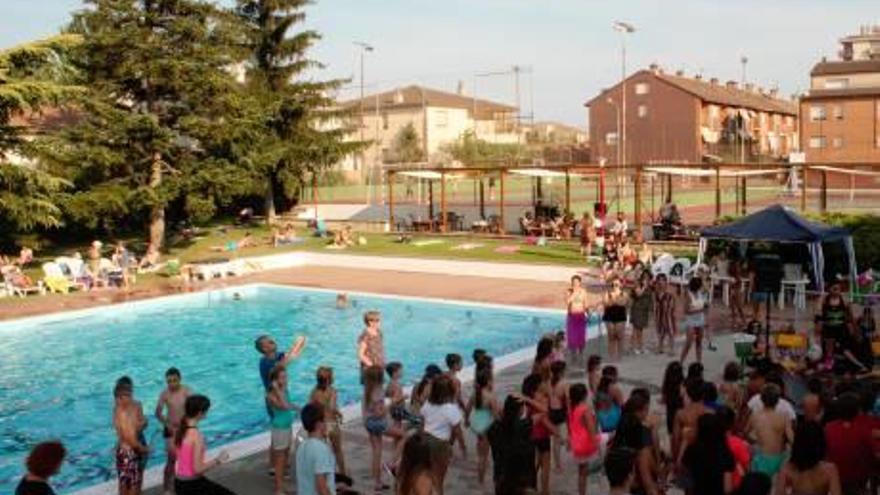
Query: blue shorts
{"type": "Point", "coordinates": [760, 297]}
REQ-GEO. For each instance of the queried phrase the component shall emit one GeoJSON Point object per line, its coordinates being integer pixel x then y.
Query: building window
{"type": "Point", "coordinates": [817, 142]}
{"type": "Point", "coordinates": [837, 83]}
{"type": "Point", "coordinates": [643, 88]}
{"type": "Point", "coordinates": [837, 142]}
{"type": "Point", "coordinates": [611, 138]}
{"type": "Point", "coordinates": [817, 112]}
{"type": "Point", "coordinates": [643, 111]}
{"type": "Point", "coordinates": [837, 111]}
{"type": "Point", "coordinates": [442, 118]}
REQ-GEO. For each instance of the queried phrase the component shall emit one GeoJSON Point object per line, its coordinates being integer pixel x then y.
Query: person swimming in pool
{"type": "Point", "coordinates": [342, 300]}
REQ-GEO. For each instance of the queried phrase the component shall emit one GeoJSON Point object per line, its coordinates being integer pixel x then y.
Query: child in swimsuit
{"type": "Point", "coordinates": [583, 436]}
{"type": "Point", "coordinates": [400, 413]}
{"type": "Point", "coordinates": [558, 408]}
{"type": "Point", "coordinates": [325, 394]}
{"type": "Point", "coordinates": [482, 412]}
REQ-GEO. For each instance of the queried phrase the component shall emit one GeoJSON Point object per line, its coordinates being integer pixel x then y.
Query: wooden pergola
{"type": "Point", "coordinates": [741, 172]}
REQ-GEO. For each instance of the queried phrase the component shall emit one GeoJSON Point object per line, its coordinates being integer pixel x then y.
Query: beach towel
{"type": "Point", "coordinates": [507, 249]}
{"type": "Point", "coordinates": [428, 242]}
{"type": "Point", "coordinates": [467, 246]}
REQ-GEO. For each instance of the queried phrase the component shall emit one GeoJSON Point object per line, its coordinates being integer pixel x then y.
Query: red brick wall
{"type": "Point", "coordinates": [668, 132]}
{"type": "Point", "coordinates": [858, 128]}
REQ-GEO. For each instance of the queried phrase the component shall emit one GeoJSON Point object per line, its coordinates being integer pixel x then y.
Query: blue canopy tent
{"type": "Point", "coordinates": [780, 224]}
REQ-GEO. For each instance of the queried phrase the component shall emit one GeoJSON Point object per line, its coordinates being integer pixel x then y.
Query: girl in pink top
{"type": "Point", "coordinates": [191, 463]}
{"type": "Point", "coordinates": [583, 439]}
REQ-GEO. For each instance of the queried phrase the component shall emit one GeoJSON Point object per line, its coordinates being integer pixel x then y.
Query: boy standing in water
{"type": "Point", "coordinates": [131, 449]}
{"type": "Point", "coordinates": [169, 412]}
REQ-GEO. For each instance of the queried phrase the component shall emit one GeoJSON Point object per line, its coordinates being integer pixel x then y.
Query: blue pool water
{"type": "Point", "coordinates": [57, 375]}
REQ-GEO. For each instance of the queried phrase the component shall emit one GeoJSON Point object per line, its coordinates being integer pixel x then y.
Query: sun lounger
{"type": "Point", "coordinates": [54, 279]}
{"type": "Point", "coordinates": [14, 284]}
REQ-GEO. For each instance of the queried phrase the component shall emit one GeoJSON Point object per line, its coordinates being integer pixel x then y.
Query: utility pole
{"type": "Point", "coordinates": [623, 28]}
{"type": "Point", "coordinates": [742, 145]}
{"type": "Point", "coordinates": [364, 47]}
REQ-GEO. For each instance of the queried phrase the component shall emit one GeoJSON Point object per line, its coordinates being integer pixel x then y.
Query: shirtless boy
{"type": "Point", "coordinates": [131, 450]}
{"type": "Point", "coordinates": [169, 412]}
{"type": "Point", "coordinates": [685, 428]}
{"type": "Point", "coordinates": [770, 430]}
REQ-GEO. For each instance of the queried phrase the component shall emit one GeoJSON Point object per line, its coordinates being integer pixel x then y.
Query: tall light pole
{"type": "Point", "coordinates": [742, 143]}
{"type": "Point", "coordinates": [623, 28]}
{"type": "Point", "coordinates": [611, 102]}
{"type": "Point", "coordinates": [364, 48]}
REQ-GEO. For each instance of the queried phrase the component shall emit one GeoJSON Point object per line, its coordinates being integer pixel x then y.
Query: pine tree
{"type": "Point", "coordinates": [299, 127]}
{"type": "Point", "coordinates": [31, 75]}
{"type": "Point", "coordinates": [156, 76]}
{"type": "Point", "coordinates": [407, 148]}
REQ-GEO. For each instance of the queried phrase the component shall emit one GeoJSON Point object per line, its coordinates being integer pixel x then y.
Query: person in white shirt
{"type": "Point", "coordinates": [620, 227]}
{"type": "Point", "coordinates": [443, 426]}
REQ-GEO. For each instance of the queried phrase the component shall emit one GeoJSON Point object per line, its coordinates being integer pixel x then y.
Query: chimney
{"type": "Point", "coordinates": [750, 87]}
{"type": "Point", "coordinates": [698, 77]}
{"type": "Point", "coordinates": [713, 81]}
{"type": "Point", "coordinates": [460, 89]}
{"type": "Point", "coordinates": [732, 85]}
{"type": "Point", "coordinates": [679, 73]}
{"type": "Point", "coordinates": [398, 97]}
{"type": "Point", "coordinates": [654, 68]}
{"type": "Point", "coordinates": [774, 93]}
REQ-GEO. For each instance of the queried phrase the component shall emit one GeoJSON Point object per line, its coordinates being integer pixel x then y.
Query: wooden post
{"type": "Point", "coordinates": [668, 188]}
{"type": "Point", "coordinates": [501, 202]}
{"type": "Point", "coordinates": [717, 191]}
{"type": "Point", "coordinates": [638, 198]}
{"type": "Point", "coordinates": [744, 202]}
{"type": "Point", "coordinates": [390, 180]}
{"type": "Point", "coordinates": [823, 198]}
{"type": "Point", "coordinates": [804, 187]}
{"type": "Point", "coordinates": [430, 200]}
{"type": "Point", "coordinates": [482, 200]}
{"type": "Point", "coordinates": [315, 194]}
{"type": "Point", "coordinates": [567, 192]}
{"type": "Point", "coordinates": [443, 225]}
{"type": "Point", "coordinates": [653, 191]}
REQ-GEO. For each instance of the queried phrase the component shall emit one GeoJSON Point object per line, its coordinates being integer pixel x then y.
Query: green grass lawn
{"type": "Point", "coordinates": [207, 246]}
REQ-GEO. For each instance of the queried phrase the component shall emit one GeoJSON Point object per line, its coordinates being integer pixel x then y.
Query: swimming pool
{"type": "Point", "coordinates": [57, 372]}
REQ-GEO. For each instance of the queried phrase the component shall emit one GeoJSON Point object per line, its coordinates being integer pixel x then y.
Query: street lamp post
{"type": "Point", "coordinates": [364, 47]}
{"type": "Point", "coordinates": [619, 161]}
{"type": "Point", "coordinates": [623, 28]}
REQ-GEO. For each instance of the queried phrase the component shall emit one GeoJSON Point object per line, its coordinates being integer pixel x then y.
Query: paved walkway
{"type": "Point", "coordinates": [248, 476]}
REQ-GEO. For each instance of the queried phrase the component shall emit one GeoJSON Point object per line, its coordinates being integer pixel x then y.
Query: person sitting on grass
{"type": "Point", "coordinates": [285, 236]}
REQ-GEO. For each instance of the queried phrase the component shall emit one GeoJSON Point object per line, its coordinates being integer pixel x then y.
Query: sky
{"type": "Point", "coordinates": [567, 48]}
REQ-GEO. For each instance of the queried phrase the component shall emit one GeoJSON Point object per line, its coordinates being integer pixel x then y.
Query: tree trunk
{"type": "Point", "coordinates": [157, 215]}
{"type": "Point", "coordinates": [270, 200]}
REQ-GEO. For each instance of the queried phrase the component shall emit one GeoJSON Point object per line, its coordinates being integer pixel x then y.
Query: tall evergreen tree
{"type": "Point", "coordinates": [31, 75]}
{"type": "Point", "coordinates": [156, 73]}
{"type": "Point", "coordinates": [407, 148]}
{"type": "Point", "coordinates": [301, 131]}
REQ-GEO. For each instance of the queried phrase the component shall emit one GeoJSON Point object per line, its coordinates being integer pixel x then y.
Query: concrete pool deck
{"type": "Point", "coordinates": [494, 283]}
{"type": "Point", "coordinates": [248, 476]}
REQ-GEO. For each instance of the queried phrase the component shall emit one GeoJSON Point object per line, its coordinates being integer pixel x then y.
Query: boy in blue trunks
{"type": "Point", "coordinates": [771, 432]}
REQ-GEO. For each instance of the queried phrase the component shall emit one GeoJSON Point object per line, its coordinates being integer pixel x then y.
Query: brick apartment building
{"type": "Point", "coordinates": [675, 119]}
{"type": "Point", "coordinates": [841, 112]}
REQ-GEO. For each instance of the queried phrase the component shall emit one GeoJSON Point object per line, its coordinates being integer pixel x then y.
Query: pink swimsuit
{"type": "Point", "coordinates": [185, 461]}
